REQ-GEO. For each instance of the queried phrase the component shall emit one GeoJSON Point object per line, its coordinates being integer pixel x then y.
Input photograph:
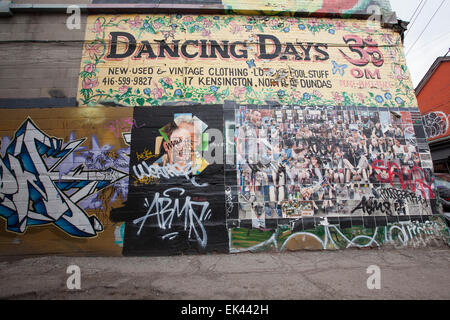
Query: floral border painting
{"type": "Point", "coordinates": [387, 84]}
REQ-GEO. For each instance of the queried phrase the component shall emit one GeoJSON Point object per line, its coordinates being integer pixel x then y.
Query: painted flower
{"type": "Point", "coordinates": [158, 92]}
{"type": "Point", "coordinates": [206, 33]}
{"type": "Point", "coordinates": [314, 23]}
{"type": "Point", "coordinates": [361, 97]}
{"type": "Point", "coordinates": [247, 27]}
{"type": "Point", "coordinates": [291, 21]}
{"type": "Point", "coordinates": [317, 94]}
{"type": "Point", "coordinates": [209, 98]}
{"type": "Point", "coordinates": [178, 92]}
{"type": "Point", "coordinates": [168, 81]}
{"type": "Point", "coordinates": [89, 83]}
{"type": "Point", "coordinates": [188, 19]}
{"type": "Point", "coordinates": [216, 18]}
{"type": "Point", "coordinates": [331, 31]}
{"type": "Point", "coordinates": [301, 27]}
{"type": "Point", "coordinates": [273, 23]}
{"type": "Point", "coordinates": [306, 96]}
{"type": "Point", "coordinates": [147, 91]}
{"type": "Point", "coordinates": [136, 23]}
{"type": "Point", "coordinates": [399, 100]}
{"type": "Point", "coordinates": [280, 93]}
{"type": "Point", "coordinates": [93, 49]}
{"type": "Point", "coordinates": [296, 95]}
{"type": "Point", "coordinates": [179, 15]}
{"type": "Point", "coordinates": [97, 27]}
{"type": "Point", "coordinates": [379, 99]}
{"type": "Point", "coordinates": [123, 89]}
{"type": "Point", "coordinates": [339, 25]}
{"type": "Point", "coordinates": [157, 25]}
{"type": "Point", "coordinates": [213, 88]}
{"type": "Point", "coordinates": [90, 68]}
{"type": "Point", "coordinates": [206, 23]}
{"type": "Point", "coordinates": [235, 28]}
{"type": "Point", "coordinates": [238, 91]}
{"type": "Point", "coordinates": [337, 97]}
{"type": "Point", "coordinates": [388, 96]}
{"type": "Point", "coordinates": [286, 29]}
{"type": "Point", "coordinates": [399, 73]}
{"type": "Point", "coordinates": [196, 27]}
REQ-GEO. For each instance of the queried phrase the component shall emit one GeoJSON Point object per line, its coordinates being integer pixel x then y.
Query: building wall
{"type": "Point", "coordinates": [40, 59]}
{"type": "Point", "coordinates": [110, 155]}
{"type": "Point", "coordinates": [434, 102]}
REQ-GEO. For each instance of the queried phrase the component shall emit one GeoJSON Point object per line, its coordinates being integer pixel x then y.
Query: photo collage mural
{"type": "Point", "coordinates": [223, 134]}
{"type": "Point", "coordinates": [330, 161]}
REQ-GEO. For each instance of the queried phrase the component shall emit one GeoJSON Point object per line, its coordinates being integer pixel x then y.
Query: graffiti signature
{"type": "Point", "coordinates": [166, 209]}
{"type": "Point", "coordinates": [143, 170]}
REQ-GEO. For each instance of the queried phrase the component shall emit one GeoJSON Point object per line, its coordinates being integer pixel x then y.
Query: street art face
{"type": "Point", "coordinates": [176, 199]}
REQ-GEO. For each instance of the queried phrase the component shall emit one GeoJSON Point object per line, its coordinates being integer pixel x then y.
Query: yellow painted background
{"type": "Point", "coordinates": [398, 93]}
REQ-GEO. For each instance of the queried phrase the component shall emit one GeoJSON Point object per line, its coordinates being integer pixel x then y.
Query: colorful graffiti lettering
{"type": "Point", "coordinates": [122, 125]}
{"type": "Point", "coordinates": [413, 178]}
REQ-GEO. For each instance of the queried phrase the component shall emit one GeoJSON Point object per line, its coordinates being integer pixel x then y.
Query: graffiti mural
{"type": "Point", "coordinates": [436, 124]}
{"type": "Point", "coordinates": [247, 59]}
{"type": "Point", "coordinates": [215, 178]}
{"type": "Point", "coordinates": [60, 183]}
{"type": "Point", "coordinates": [324, 235]}
{"type": "Point", "coordinates": [176, 199]}
{"type": "Point", "coordinates": [34, 192]}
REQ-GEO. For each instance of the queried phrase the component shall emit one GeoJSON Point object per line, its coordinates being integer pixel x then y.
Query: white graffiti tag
{"type": "Point", "coordinates": [143, 170]}
{"type": "Point", "coordinates": [166, 209]}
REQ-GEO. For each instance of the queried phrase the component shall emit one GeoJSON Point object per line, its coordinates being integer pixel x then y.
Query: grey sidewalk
{"type": "Point", "coordinates": [405, 274]}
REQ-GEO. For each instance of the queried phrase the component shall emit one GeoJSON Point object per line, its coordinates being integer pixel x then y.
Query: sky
{"type": "Point", "coordinates": [434, 42]}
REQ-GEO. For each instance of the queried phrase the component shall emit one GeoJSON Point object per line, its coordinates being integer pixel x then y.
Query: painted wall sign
{"type": "Point", "coordinates": [137, 60]}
